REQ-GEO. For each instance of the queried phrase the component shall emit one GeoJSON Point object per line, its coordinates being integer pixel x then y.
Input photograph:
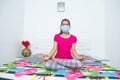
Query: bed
{"type": "Point", "coordinates": [32, 68]}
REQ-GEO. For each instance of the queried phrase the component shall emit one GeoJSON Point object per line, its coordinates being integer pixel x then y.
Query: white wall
{"type": "Point", "coordinates": [87, 21]}
{"type": "Point", "coordinates": [93, 20]}
{"type": "Point", "coordinates": [112, 31]}
{"type": "Point", "coordinates": [11, 28]}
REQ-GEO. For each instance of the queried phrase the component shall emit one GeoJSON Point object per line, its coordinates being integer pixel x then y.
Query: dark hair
{"type": "Point", "coordinates": [62, 22]}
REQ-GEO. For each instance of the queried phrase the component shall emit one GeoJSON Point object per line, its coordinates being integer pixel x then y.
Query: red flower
{"type": "Point", "coordinates": [25, 43]}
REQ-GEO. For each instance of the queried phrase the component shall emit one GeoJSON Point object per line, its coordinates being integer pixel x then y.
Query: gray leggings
{"type": "Point", "coordinates": [63, 64]}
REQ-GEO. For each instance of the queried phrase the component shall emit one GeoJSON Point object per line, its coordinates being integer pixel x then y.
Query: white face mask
{"type": "Point", "coordinates": [65, 28]}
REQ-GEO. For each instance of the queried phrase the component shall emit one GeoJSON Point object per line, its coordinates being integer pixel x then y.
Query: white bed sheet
{"type": "Point", "coordinates": [29, 77]}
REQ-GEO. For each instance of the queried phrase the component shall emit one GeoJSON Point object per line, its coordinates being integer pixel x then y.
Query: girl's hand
{"type": "Point", "coordinates": [82, 57]}
{"type": "Point", "coordinates": [55, 59]}
{"type": "Point", "coordinates": [46, 58]}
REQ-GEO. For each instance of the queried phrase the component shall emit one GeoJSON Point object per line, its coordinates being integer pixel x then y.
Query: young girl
{"type": "Point", "coordinates": [63, 54]}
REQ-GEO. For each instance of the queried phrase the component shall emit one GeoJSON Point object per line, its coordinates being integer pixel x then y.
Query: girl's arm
{"type": "Point", "coordinates": [52, 52]}
{"type": "Point", "coordinates": [80, 57]}
{"type": "Point", "coordinates": [74, 52]}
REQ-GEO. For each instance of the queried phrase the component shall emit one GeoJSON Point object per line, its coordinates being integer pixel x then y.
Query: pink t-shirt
{"type": "Point", "coordinates": [64, 46]}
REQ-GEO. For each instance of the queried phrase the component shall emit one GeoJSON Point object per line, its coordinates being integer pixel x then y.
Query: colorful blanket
{"type": "Point", "coordinates": [22, 67]}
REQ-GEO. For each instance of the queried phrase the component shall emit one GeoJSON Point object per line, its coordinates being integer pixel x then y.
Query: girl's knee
{"type": "Point", "coordinates": [48, 63]}
{"type": "Point", "coordinates": [79, 63]}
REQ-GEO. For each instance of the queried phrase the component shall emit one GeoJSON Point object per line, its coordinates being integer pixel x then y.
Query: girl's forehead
{"type": "Point", "coordinates": [65, 22]}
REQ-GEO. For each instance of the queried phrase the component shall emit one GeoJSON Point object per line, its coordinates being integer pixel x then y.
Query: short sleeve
{"type": "Point", "coordinates": [56, 37]}
{"type": "Point", "coordinates": [74, 39]}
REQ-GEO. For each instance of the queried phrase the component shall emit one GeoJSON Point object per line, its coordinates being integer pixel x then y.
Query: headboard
{"type": "Point", "coordinates": [45, 45]}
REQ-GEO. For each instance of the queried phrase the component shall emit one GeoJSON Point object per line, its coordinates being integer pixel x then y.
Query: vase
{"type": "Point", "coordinates": [26, 52]}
